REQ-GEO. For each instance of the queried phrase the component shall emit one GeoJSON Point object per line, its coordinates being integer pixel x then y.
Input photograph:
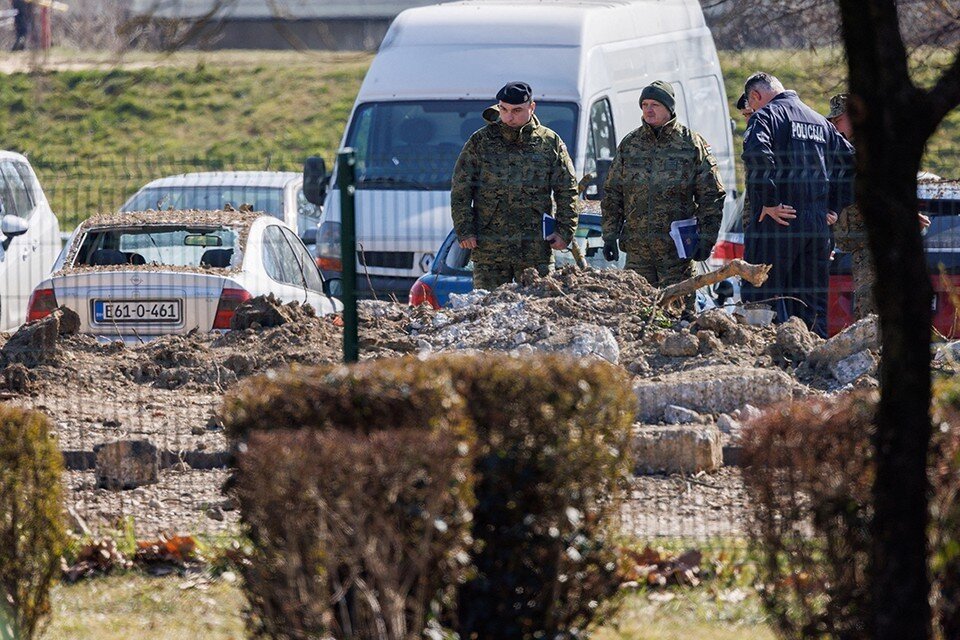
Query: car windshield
{"type": "Point", "coordinates": [168, 245]}
{"type": "Point", "coordinates": [414, 145]}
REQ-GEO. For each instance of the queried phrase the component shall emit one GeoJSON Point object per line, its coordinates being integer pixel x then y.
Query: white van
{"type": "Point", "coordinates": [439, 66]}
{"type": "Point", "coordinates": [29, 237]}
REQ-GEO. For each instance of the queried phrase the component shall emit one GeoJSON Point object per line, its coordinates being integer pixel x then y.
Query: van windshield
{"type": "Point", "coordinates": [414, 145]}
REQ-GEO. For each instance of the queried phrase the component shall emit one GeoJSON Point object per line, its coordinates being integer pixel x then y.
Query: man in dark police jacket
{"type": "Point", "coordinates": [798, 171]}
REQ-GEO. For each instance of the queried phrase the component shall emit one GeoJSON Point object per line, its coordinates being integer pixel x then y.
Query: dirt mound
{"type": "Point", "coordinates": [39, 342]}
{"type": "Point", "coordinates": [267, 311]}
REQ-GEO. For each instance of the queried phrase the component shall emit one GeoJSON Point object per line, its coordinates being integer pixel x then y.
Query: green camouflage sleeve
{"type": "Point", "coordinates": [466, 173]}
{"type": "Point", "coordinates": [612, 203]}
{"type": "Point", "coordinates": [709, 194]}
{"type": "Point", "coordinates": [564, 189]}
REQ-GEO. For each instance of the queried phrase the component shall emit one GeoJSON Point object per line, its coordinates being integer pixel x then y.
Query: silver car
{"type": "Point", "coordinates": [135, 276]}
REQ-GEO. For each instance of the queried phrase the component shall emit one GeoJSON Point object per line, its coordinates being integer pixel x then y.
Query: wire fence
{"type": "Point", "coordinates": [144, 358]}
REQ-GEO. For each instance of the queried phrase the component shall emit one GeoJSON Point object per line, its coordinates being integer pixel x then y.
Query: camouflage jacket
{"type": "Point", "coordinates": [656, 179]}
{"type": "Point", "coordinates": [506, 179]}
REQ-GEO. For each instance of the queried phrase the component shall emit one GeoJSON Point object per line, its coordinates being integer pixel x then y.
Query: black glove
{"type": "Point", "coordinates": [610, 251]}
{"type": "Point", "coordinates": [702, 252]}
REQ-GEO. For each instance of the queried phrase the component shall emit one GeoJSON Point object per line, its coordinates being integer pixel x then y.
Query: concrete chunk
{"type": "Point", "coordinates": [716, 389]}
{"type": "Point", "coordinates": [126, 464]}
{"type": "Point", "coordinates": [676, 449]}
{"type": "Point", "coordinates": [680, 415]}
{"type": "Point", "coordinates": [863, 334]}
{"type": "Point", "coordinates": [852, 367]}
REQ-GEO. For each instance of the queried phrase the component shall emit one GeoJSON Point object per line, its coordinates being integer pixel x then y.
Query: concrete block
{"type": "Point", "coordinates": [863, 334]}
{"type": "Point", "coordinates": [852, 367]}
{"type": "Point", "coordinates": [715, 389]}
{"type": "Point", "coordinates": [676, 449]}
{"type": "Point", "coordinates": [680, 415]}
{"type": "Point", "coordinates": [126, 464]}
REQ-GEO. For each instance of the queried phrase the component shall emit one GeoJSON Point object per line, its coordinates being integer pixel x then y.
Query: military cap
{"type": "Point", "coordinates": [660, 91]}
{"type": "Point", "coordinates": [515, 93]}
{"type": "Point", "coordinates": [742, 102]}
{"type": "Point", "coordinates": [838, 106]}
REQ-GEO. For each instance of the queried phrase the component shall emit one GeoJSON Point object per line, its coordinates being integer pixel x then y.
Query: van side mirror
{"type": "Point", "coordinates": [315, 180]}
{"type": "Point", "coordinates": [595, 191]}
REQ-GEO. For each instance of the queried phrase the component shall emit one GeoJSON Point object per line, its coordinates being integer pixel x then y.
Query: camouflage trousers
{"type": "Point", "coordinates": [489, 276]}
{"type": "Point", "coordinates": [658, 263]}
{"type": "Point", "coordinates": [661, 268]}
{"type": "Point", "coordinates": [497, 264]}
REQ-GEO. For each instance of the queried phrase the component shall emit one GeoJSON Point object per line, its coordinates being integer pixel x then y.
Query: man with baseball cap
{"type": "Point", "coordinates": [661, 172]}
{"type": "Point", "coordinates": [510, 173]}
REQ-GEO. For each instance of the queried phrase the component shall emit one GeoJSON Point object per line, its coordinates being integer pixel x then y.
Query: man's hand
{"type": "Point", "coordinates": [469, 243]}
{"type": "Point", "coordinates": [782, 214]}
{"type": "Point", "coordinates": [611, 253]}
{"type": "Point", "coordinates": [831, 217]}
{"type": "Point", "coordinates": [924, 221]}
{"type": "Point", "coordinates": [556, 242]}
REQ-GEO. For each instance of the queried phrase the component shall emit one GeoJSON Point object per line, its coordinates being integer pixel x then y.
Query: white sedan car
{"type": "Point", "coordinates": [136, 276]}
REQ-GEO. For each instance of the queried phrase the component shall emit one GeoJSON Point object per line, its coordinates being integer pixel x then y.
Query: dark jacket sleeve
{"type": "Point", "coordinates": [564, 187]}
{"type": "Point", "coordinates": [841, 168]}
{"type": "Point", "coordinates": [709, 194]}
{"type": "Point", "coordinates": [466, 174]}
{"type": "Point", "coordinates": [760, 161]}
{"type": "Point", "coordinates": [612, 204]}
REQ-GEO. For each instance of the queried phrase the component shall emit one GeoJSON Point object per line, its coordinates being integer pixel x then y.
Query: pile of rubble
{"type": "Point", "coordinates": [697, 379]}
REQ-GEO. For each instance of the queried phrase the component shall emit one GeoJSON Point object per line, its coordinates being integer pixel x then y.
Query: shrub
{"type": "Point", "coordinates": [283, 577]}
{"type": "Point", "coordinates": [808, 468]}
{"type": "Point", "coordinates": [362, 501]}
{"type": "Point", "coordinates": [370, 396]}
{"type": "Point", "coordinates": [32, 533]}
{"type": "Point", "coordinates": [375, 523]}
{"type": "Point", "coordinates": [551, 452]}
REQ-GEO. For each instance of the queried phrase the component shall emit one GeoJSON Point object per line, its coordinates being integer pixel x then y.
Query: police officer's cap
{"type": "Point", "coordinates": [515, 93]}
{"type": "Point", "coordinates": [838, 106]}
{"type": "Point", "coordinates": [742, 102]}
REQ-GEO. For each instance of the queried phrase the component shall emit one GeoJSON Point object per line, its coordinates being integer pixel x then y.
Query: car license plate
{"type": "Point", "coordinates": [135, 311]}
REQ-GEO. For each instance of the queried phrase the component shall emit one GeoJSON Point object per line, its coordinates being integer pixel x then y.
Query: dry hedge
{"type": "Point", "coordinates": [354, 485]}
{"type": "Point", "coordinates": [808, 468]}
{"type": "Point", "coordinates": [375, 466]}
{"type": "Point", "coordinates": [32, 533]}
{"type": "Point", "coordinates": [552, 445]}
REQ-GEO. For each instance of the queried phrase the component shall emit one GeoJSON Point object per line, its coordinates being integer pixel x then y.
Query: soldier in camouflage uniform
{"type": "Point", "coordinates": [508, 175]}
{"type": "Point", "coordinates": [849, 230]}
{"type": "Point", "coordinates": [662, 172]}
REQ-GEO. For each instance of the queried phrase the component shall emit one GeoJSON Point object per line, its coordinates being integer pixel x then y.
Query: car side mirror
{"type": "Point", "coordinates": [595, 190]}
{"type": "Point", "coordinates": [12, 226]}
{"type": "Point", "coordinates": [333, 287]}
{"type": "Point", "coordinates": [315, 180]}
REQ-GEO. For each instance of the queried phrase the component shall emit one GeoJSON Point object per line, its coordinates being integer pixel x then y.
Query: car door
{"type": "Point", "coordinates": [281, 266]}
{"type": "Point", "coordinates": [28, 257]}
{"type": "Point", "coordinates": [313, 281]}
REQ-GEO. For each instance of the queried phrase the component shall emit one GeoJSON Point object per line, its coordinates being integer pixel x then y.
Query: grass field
{"type": "Point", "coordinates": [96, 130]}
{"type": "Point", "coordinates": [131, 606]}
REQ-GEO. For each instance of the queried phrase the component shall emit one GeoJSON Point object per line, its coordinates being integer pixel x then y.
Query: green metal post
{"type": "Point", "coordinates": [346, 179]}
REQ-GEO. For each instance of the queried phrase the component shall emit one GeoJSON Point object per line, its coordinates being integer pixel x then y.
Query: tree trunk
{"type": "Point", "coordinates": [891, 127]}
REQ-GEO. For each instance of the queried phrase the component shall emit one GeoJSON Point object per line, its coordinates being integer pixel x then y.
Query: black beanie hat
{"type": "Point", "coordinates": [662, 92]}
{"type": "Point", "coordinates": [515, 93]}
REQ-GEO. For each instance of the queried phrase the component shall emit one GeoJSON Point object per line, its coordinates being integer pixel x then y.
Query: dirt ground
{"type": "Point", "coordinates": [168, 391]}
